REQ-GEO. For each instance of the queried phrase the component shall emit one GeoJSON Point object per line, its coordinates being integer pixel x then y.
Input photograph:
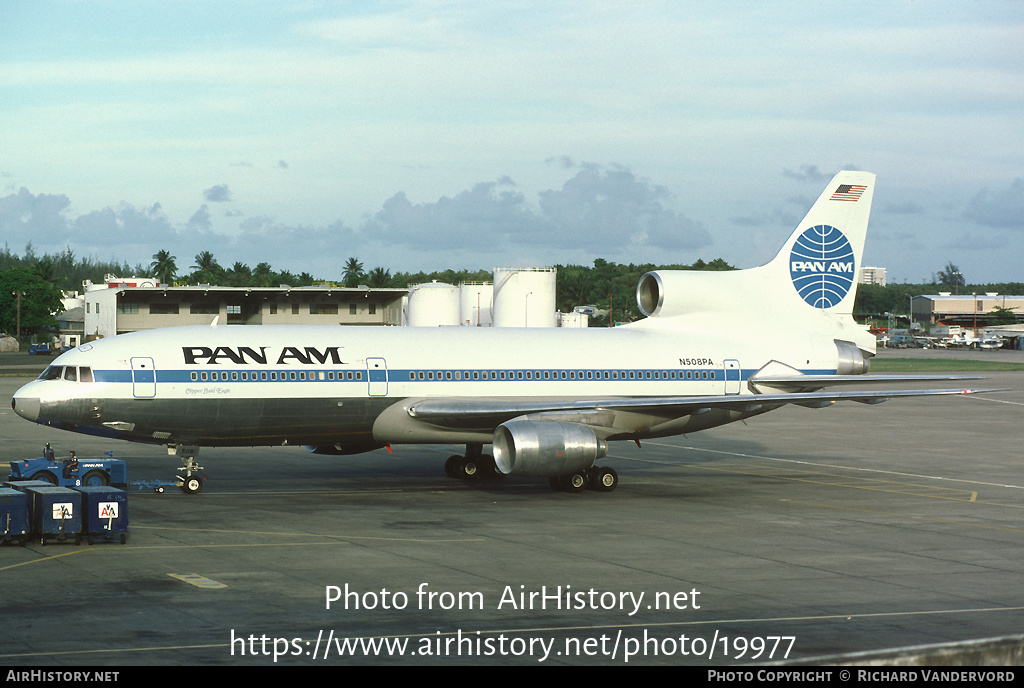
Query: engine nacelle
{"type": "Point", "coordinates": [665, 293]}
{"type": "Point", "coordinates": [545, 448]}
{"type": "Point", "coordinates": [852, 360]}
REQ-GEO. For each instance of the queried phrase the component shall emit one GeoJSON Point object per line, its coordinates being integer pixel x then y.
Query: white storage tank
{"type": "Point", "coordinates": [434, 304]}
{"type": "Point", "coordinates": [524, 297]}
{"type": "Point", "coordinates": [476, 303]}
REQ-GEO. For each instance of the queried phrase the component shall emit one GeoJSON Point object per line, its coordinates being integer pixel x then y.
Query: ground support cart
{"type": "Point", "coordinates": [14, 525]}
{"type": "Point", "coordinates": [104, 514]}
{"type": "Point", "coordinates": [55, 513]}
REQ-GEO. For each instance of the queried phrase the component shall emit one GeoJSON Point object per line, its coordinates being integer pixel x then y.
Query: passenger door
{"type": "Point", "coordinates": [143, 378]}
{"type": "Point", "coordinates": [377, 377]}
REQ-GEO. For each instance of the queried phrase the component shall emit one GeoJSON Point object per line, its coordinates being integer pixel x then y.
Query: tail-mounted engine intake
{"type": "Point", "coordinates": [545, 448]}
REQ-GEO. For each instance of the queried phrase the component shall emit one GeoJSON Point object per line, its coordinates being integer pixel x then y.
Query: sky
{"type": "Point", "coordinates": [454, 134]}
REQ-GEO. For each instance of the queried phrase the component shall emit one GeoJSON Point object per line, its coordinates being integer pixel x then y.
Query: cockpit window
{"type": "Point", "coordinates": [85, 374]}
{"type": "Point", "coordinates": [71, 374]}
{"type": "Point", "coordinates": [52, 373]}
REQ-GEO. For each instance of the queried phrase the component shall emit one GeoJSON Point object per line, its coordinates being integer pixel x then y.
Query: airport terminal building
{"type": "Point", "coordinates": [119, 309]}
{"type": "Point", "coordinates": [963, 309]}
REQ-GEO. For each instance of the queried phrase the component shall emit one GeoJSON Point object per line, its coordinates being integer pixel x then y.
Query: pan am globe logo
{"type": "Point", "coordinates": [821, 266]}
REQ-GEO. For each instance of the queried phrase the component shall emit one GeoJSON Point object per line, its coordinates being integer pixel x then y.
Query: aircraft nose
{"type": "Point", "coordinates": [25, 405]}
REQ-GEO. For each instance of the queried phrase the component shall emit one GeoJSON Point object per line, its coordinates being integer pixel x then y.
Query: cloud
{"type": "Point", "coordinates": [1003, 209]}
{"type": "Point", "coordinates": [811, 173]}
{"type": "Point", "coordinates": [480, 218]}
{"type": "Point", "coordinates": [217, 194]}
{"type": "Point", "coordinates": [904, 208]}
{"type": "Point", "coordinates": [597, 210]}
{"type": "Point", "coordinates": [37, 217]}
{"type": "Point", "coordinates": [123, 225]}
{"type": "Point", "coordinates": [608, 209]}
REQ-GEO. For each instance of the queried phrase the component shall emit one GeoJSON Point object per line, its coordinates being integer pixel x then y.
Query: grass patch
{"type": "Point", "coordinates": [938, 365]}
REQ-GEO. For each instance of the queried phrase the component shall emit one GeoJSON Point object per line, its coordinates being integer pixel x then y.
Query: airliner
{"type": "Point", "coordinates": [713, 348]}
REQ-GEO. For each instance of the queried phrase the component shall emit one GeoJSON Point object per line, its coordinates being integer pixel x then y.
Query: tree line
{"type": "Point", "coordinates": [610, 287]}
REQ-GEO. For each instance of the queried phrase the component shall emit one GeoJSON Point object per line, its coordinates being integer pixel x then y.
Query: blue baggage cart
{"type": "Point", "coordinates": [104, 514]}
{"type": "Point", "coordinates": [13, 516]}
{"type": "Point", "coordinates": [55, 513]}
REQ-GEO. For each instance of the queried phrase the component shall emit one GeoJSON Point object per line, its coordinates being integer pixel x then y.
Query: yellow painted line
{"type": "Point", "coordinates": [37, 561]}
{"type": "Point", "coordinates": [198, 581]}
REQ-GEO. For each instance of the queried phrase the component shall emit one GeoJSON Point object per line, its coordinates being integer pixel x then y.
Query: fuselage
{"type": "Point", "coordinates": [351, 387]}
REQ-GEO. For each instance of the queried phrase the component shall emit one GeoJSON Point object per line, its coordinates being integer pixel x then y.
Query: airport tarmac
{"type": "Point", "coordinates": [801, 534]}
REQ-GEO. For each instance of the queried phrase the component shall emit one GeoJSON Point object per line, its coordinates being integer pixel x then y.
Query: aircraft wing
{"type": "Point", "coordinates": [601, 413]}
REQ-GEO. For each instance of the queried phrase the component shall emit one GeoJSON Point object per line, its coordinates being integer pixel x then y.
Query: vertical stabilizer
{"type": "Point", "coordinates": [819, 262]}
{"type": "Point", "coordinates": [821, 258]}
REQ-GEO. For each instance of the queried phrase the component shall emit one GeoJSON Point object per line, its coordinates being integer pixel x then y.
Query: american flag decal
{"type": "Point", "coordinates": [848, 192]}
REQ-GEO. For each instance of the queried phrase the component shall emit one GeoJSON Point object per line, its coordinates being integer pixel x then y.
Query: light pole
{"type": "Point", "coordinates": [18, 295]}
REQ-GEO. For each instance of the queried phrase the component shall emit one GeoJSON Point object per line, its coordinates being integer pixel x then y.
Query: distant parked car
{"type": "Point", "coordinates": [40, 350]}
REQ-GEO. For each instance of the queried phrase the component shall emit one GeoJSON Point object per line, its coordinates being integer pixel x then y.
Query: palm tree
{"type": "Point", "coordinates": [163, 266]}
{"type": "Point", "coordinates": [239, 275]}
{"type": "Point", "coordinates": [262, 276]}
{"type": "Point", "coordinates": [380, 277]}
{"type": "Point", "coordinates": [353, 272]}
{"type": "Point", "coordinates": [207, 270]}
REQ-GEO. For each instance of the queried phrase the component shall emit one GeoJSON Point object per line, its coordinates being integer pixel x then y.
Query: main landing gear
{"type": "Point", "coordinates": [476, 465]}
{"type": "Point", "coordinates": [601, 479]}
{"type": "Point", "coordinates": [473, 466]}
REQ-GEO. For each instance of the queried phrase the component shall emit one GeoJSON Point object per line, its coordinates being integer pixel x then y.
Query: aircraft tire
{"type": "Point", "coordinates": [469, 469]}
{"type": "Point", "coordinates": [575, 482]}
{"type": "Point", "coordinates": [192, 485]}
{"type": "Point", "coordinates": [451, 466]}
{"type": "Point", "coordinates": [604, 479]}
{"type": "Point", "coordinates": [489, 469]}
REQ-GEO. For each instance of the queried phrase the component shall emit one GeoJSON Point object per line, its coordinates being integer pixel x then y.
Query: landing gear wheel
{"type": "Point", "coordinates": [192, 484]}
{"type": "Point", "coordinates": [469, 468]}
{"type": "Point", "coordinates": [604, 479]}
{"type": "Point", "coordinates": [575, 482]}
{"type": "Point", "coordinates": [489, 468]}
{"type": "Point", "coordinates": [451, 466]}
